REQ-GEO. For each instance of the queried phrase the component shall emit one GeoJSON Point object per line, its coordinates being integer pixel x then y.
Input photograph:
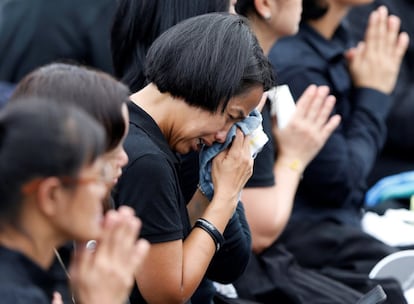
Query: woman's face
{"type": "Point", "coordinates": [285, 17]}
{"type": "Point", "coordinates": [80, 212]}
{"type": "Point", "coordinates": [200, 127]}
{"type": "Point", "coordinates": [117, 157]}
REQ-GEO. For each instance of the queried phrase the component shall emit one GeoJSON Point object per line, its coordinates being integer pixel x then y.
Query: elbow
{"type": "Point", "coordinates": [265, 237]}
{"type": "Point", "coordinates": [171, 298]}
{"type": "Point", "coordinates": [261, 244]}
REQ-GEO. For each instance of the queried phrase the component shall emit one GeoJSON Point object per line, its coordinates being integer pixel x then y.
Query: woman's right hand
{"type": "Point", "coordinates": [308, 129]}
{"type": "Point", "coordinates": [375, 62]}
{"type": "Point", "coordinates": [106, 274]}
{"type": "Point", "coordinates": [232, 168]}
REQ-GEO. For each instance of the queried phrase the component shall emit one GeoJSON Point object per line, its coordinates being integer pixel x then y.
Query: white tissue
{"type": "Point", "coordinates": [258, 139]}
{"type": "Point", "coordinates": [282, 104]}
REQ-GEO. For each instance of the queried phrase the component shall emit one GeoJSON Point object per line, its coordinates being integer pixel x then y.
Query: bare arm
{"type": "Point", "coordinates": [268, 208]}
{"type": "Point", "coordinates": [178, 266]}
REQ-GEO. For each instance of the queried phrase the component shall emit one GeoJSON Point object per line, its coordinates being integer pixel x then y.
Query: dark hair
{"type": "Point", "coordinates": [39, 138]}
{"type": "Point", "coordinates": [138, 23]}
{"type": "Point", "coordinates": [96, 92]}
{"type": "Point", "coordinates": [244, 7]}
{"type": "Point", "coordinates": [208, 59]}
{"type": "Point", "coordinates": [313, 9]}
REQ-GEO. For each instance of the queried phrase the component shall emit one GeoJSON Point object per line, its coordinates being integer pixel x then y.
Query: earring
{"type": "Point", "coordinates": [267, 16]}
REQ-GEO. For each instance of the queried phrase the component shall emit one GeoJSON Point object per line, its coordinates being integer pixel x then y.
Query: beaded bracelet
{"type": "Point", "coordinates": [212, 231]}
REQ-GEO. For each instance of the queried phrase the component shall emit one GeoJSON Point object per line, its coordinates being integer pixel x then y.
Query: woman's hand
{"type": "Point", "coordinates": [106, 273]}
{"type": "Point", "coordinates": [308, 129]}
{"type": "Point", "coordinates": [232, 168]}
{"type": "Point", "coordinates": [375, 62]}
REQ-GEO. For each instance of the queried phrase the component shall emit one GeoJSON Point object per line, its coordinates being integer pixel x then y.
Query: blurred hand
{"type": "Point", "coordinates": [308, 129]}
{"type": "Point", "coordinates": [375, 62]}
{"type": "Point", "coordinates": [57, 298]}
{"type": "Point", "coordinates": [106, 274]}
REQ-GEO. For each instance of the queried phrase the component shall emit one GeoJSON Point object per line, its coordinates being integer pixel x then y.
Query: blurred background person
{"type": "Point", "coordinates": [34, 33]}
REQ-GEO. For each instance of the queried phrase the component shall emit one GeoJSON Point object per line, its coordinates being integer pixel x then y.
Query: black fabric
{"type": "Point", "coordinates": [6, 89]}
{"type": "Point", "coordinates": [34, 33]}
{"type": "Point", "coordinates": [22, 281]}
{"type": "Point", "coordinates": [230, 262]}
{"type": "Point", "coordinates": [398, 153]}
{"type": "Point", "coordinates": [343, 253]}
{"type": "Point", "coordinates": [263, 164]}
{"type": "Point", "coordinates": [58, 272]}
{"type": "Point", "coordinates": [325, 227]}
{"type": "Point", "coordinates": [152, 183]}
{"type": "Point", "coordinates": [275, 277]}
{"type": "Point", "coordinates": [334, 183]}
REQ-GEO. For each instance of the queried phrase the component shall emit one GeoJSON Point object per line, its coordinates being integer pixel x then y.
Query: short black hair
{"type": "Point", "coordinates": [313, 9]}
{"type": "Point", "coordinates": [40, 139]}
{"type": "Point", "coordinates": [208, 59]}
{"type": "Point", "coordinates": [138, 23]}
{"type": "Point", "coordinates": [98, 93]}
{"type": "Point", "coordinates": [245, 7]}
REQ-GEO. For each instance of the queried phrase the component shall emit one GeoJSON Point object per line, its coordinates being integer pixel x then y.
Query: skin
{"type": "Point", "coordinates": [275, 19]}
{"type": "Point", "coordinates": [61, 207]}
{"type": "Point", "coordinates": [298, 142]}
{"type": "Point", "coordinates": [117, 157]}
{"type": "Point", "coordinates": [180, 265]}
{"type": "Point", "coordinates": [311, 125]}
{"type": "Point", "coordinates": [54, 214]}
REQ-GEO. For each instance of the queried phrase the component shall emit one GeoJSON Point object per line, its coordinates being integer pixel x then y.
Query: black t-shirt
{"type": "Point", "coordinates": [150, 183]}
{"type": "Point", "coordinates": [35, 33]}
{"type": "Point", "coordinates": [22, 281]}
{"type": "Point", "coordinates": [263, 164]}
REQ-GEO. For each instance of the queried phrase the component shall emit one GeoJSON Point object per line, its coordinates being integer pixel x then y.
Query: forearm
{"type": "Point", "coordinates": [229, 263]}
{"type": "Point", "coordinates": [268, 209]}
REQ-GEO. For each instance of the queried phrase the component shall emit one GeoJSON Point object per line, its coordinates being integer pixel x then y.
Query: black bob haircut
{"type": "Point", "coordinates": [40, 139]}
{"type": "Point", "coordinates": [208, 59]}
{"type": "Point", "coordinates": [138, 23]}
{"type": "Point", "coordinates": [96, 92]}
{"type": "Point", "coordinates": [313, 9]}
{"type": "Point", "coordinates": [244, 7]}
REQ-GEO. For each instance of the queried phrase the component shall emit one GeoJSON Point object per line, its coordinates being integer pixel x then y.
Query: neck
{"type": "Point", "coordinates": [263, 32]}
{"type": "Point", "coordinates": [162, 107]}
{"type": "Point", "coordinates": [33, 239]}
{"type": "Point", "coordinates": [327, 25]}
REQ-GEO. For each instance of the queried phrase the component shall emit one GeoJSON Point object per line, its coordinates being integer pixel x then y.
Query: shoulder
{"type": "Point", "coordinates": [10, 294]}
{"type": "Point", "coordinates": [290, 48]}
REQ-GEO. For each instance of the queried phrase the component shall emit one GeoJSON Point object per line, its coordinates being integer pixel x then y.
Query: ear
{"type": "Point", "coordinates": [263, 8]}
{"type": "Point", "coordinates": [50, 195]}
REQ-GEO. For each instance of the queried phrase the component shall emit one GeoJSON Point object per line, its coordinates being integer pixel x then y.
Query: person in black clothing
{"type": "Point", "coordinates": [130, 44]}
{"type": "Point", "coordinates": [101, 96]}
{"type": "Point", "coordinates": [35, 33]}
{"type": "Point", "coordinates": [398, 153]}
{"type": "Point", "coordinates": [138, 23]}
{"type": "Point", "coordinates": [55, 195]}
{"type": "Point", "coordinates": [273, 275]}
{"type": "Point", "coordinates": [97, 92]}
{"type": "Point", "coordinates": [324, 231]}
{"type": "Point", "coordinates": [6, 89]}
{"type": "Point", "coordinates": [192, 99]}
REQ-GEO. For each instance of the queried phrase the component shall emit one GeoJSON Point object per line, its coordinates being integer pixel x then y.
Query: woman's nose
{"type": "Point", "coordinates": [221, 136]}
{"type": "Point", "coordinates": [123, 158]}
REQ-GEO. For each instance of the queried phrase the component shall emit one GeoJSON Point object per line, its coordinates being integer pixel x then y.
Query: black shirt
{"type": "Point", "coordinates": [150, 183]}
{"type": "Point", "coordinates": [22, 281]}
{"type": "Point", "coordinates": [34, 33]}
{"type": "Point", "coordinates": [334, 183]}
